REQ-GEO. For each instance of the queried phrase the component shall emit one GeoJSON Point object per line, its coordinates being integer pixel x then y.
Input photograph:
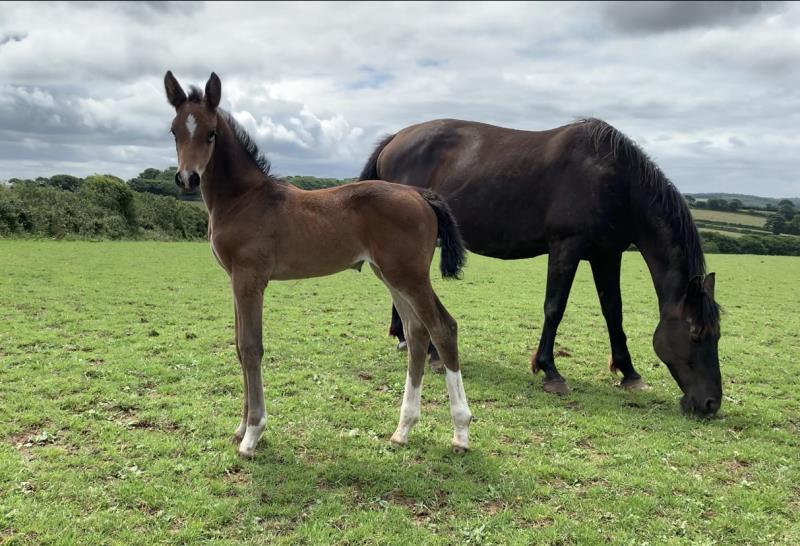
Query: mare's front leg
{"type": "Point", "coordinates": [248, 290]}
{"type": "Point", "coordinates": [606, 274]}
{"type": "Point", "coordinates": [562, 263]}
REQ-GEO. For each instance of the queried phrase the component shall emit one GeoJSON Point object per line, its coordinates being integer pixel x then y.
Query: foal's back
{"type": "Point", "coordinates": [321, 232]}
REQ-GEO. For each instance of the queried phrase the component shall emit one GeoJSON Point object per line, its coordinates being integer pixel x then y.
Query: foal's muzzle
{"type": "Point", "coordinates": [186, 180]}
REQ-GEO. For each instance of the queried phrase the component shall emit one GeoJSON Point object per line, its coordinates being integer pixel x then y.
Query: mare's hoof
{"type": "Point", "coordinates": [402, 346]}
{"type": "Point", "coordinates": [555, 386]}
{"type": "Point", "coordinates": [236, 439]}
{"type": "Point", "coordinates": [633, 384]}
{"type": "Point", "coordinates": [437, 366]}
{"type": "Point", "coordinates": [246, 453]}
{"type": "Point", "coordinates": [459, 449]}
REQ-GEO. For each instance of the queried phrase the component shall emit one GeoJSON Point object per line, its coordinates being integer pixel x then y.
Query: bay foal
{"type": "Point", "coordinates": [262, 229]}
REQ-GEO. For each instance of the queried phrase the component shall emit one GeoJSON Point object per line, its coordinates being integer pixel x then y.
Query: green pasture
{"type": "Point", "coordinates": [741, 218]}
{"type": "Point", "coordinates": [119, 390]}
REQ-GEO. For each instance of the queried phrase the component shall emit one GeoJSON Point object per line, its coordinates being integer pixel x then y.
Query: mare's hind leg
{"type": "Point", "coordinates": [561, 266]}
{"type": "Point", "coordinates": [396, 329]}
{"type": "Point", "coordinates": [417, 340]}
{"type": "Point", "coordinates": [606, 272]}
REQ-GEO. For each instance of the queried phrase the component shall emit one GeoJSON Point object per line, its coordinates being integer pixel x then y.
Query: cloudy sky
{"type": "Point", "coordinates": [710, 90]}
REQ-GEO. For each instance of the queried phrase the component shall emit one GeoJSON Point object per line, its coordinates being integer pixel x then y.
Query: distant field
{"type": "Point", "coordinates": [730, 217]}
{"type": "Point", "coordinates": [119, 389]}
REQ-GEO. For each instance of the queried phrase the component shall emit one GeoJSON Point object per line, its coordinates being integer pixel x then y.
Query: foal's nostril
{"type": "Point", "coordinates": [178, 179]}
{"type": "Point", "coordinates": [194, 180]}
{"type": "Point", "coordinates": [711, 405]}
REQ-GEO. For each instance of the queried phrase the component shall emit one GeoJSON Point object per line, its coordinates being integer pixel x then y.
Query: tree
{"type": "Point", "coordinates": [65, 182]}
{"type": "Point", "coordinates": [776, 223]}
{"type": "Point", "coordinates": [690, 200]}
{"type": "Point", "coordinates": [786, 209]}
{"type": "Point", "coordinates": [735, 204]}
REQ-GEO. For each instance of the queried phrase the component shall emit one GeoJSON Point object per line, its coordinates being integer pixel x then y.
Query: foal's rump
{"type": "Point", "coordinates": [409, 221]}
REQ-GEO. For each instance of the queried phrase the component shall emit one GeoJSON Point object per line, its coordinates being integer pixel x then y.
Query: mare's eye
{"type": "Point", "coordinates": [172, 131]}
{"type": "Point", "coordinates": [211, 135]}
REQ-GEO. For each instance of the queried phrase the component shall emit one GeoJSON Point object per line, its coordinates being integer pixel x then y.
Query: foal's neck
{"type": "Point", "coordinates": [231, 173]}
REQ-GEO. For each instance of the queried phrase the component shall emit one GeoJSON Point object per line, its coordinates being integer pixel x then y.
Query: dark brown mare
{"type": "Point", "coordinates": [583, 191]}
{"type": "Point", "coordinates": [262, 229]}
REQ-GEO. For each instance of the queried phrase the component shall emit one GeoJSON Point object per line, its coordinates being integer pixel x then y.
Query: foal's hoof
{"type": "Point", "coordinates": [635, 384]}
{"type": "Point", "coordinates": [402, 346]}
{"type": "Point", "coordinates": [555, 386]}
{"type": "Point", "coordinates": [236, 439]}
{"type": "Point", "coordinates": [437, 366]}
{"type": "Point", "coordinates": [245, 453]}
{"type": "Point", "coordinates": [398, 442]}
{"type": "Point", "coordinates": [459, 449]}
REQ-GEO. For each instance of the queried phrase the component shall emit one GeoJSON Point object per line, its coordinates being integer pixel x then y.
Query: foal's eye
{"type": "Point", "coordinates": [211, 135]}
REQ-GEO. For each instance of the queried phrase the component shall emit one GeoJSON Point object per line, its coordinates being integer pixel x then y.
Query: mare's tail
{"type": "Point", "coordinates": [370, 170]}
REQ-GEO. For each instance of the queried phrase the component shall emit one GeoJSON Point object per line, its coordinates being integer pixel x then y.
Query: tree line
{"type": "Point", "coordinates": [100, 206]}
{"type": "Point", "coordinates": [151, 206]}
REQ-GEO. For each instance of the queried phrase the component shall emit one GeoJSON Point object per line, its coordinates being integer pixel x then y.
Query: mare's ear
{"type": "Point", "coordinates": [175, 94]}
{"type": "Point", "coordinates": [213, 91]}
{"type": "Point", "coordinates": [708, 285]}
{"type": "Point", "coordinates": [695, 288]}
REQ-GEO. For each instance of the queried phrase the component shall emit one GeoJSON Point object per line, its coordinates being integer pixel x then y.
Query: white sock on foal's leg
{"type": "Point", "coordinates": [409, 411]}
{"type": "Point", "coordinates": [240, 430]}
{"type": "Point", "coordinates": [459, 410]}
{"type": "Point", "coordinates": [251, 436]}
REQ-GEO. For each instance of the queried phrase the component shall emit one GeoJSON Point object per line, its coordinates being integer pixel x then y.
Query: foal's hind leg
{"type": "Point", "coordinates": [443, 330]}
{"type": "Point", "coordinates": [561, 266]}
{"type": "Point", "coordinates": [606, 274]}
{"type": "Point", "coordinates": [417, 340]}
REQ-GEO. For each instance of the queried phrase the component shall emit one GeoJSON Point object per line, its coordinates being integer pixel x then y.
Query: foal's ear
{"type": "Point", "coordinates": [708, 285]}
{"type": "Point", "coordinates": [213, 91]}
{"type": "Point", "coordinates": [175, 94]}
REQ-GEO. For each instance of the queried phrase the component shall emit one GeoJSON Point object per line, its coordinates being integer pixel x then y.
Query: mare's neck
{"type": "Point", "coordinates": [231, 173]}
{"type": "Point", "coordinates": [667, 261]}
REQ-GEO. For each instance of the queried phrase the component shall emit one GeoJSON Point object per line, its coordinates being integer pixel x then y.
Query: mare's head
{"type": "Point", "coordinates": [194, 128]}
{"type": "Point", "coordinates": [686, 340]}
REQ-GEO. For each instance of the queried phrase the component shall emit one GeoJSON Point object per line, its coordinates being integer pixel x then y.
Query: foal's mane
{"type": "Point", "coordinates": [665, 198]}
{"type": "Point", "coordinates": [245, 141]}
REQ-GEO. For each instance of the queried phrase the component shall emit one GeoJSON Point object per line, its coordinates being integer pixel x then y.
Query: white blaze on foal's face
{"type": "Point", "coordinates": [191, 125]}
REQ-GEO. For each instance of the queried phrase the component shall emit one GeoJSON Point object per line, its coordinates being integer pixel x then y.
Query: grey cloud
{"type": "Point", "coordinates": [641, 17]}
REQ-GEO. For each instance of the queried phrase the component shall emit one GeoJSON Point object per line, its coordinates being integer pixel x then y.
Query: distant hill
{"type": "Point", "coordinates": [748, 200]}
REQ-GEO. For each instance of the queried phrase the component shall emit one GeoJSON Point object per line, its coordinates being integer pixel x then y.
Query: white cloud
{"type": "Point", "coordinates": [709, 90]}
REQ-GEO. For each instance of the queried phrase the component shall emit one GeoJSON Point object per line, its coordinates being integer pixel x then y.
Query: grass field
{"type": "Point", "coordinates": [742, 218]}
{"type": "Point", "coordinates": [119, 390]}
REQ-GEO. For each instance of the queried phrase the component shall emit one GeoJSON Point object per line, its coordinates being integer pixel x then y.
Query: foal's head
{"type": "Point", "coordinates": [194, 127]}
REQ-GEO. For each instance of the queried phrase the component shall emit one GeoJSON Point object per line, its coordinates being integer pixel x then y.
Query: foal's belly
{"type": "Point", "coordinates": [313, 265]}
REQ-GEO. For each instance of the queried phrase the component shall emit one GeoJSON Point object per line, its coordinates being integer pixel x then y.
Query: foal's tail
{"type": "Point", "coordinates": [453, 253]}
{"type": "Point", "coordinates": [370, 170]}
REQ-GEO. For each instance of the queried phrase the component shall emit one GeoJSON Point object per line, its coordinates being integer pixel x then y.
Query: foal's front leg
{"type": "Point", "coordinates": [248, 289]}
